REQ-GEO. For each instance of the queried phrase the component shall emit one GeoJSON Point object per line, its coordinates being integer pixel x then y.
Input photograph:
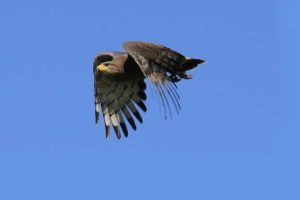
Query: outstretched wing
{"type": "Point", "coordinates": [154, 58]}
{"type": "Point", "coordinates": [117, 99]}
{"type": "Point", "coordinates": [162, 66]}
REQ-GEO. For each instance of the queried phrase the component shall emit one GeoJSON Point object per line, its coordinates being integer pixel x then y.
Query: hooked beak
{"type": "Point", "coordinates": [102, 68]}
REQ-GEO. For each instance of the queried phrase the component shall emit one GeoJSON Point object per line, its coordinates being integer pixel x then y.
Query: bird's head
{"type": "Point", "coordinates": [108, 68]}
{"type": "Point", "coordinates": [112, 64]}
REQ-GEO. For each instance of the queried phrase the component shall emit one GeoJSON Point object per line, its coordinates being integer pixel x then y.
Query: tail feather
{"type": "Point", "coordinates": [191, 63]}
{"type": "Point", "coordinates": [187, 64]}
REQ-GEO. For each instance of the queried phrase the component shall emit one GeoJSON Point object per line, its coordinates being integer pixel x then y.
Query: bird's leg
{"type": "Point", "coordinates": [174, 78]}
{"type": "Point", "coordinates": [185, 76]}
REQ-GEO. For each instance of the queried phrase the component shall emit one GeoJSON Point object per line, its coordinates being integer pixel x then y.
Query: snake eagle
{"type": "Point", "coordinates": [119, 81]}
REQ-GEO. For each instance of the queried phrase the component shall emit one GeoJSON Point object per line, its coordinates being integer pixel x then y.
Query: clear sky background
{"type": "Point", "coordinates": [237, 136]}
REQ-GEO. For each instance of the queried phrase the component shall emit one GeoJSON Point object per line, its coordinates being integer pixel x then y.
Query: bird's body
{"type": "Point", "coordinates": [119, 81]}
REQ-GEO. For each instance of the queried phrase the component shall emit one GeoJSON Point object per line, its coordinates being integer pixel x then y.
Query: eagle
{"type": "Point", "coordinates": [119, 82]}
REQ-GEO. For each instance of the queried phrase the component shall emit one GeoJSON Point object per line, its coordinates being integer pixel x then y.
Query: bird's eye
{"type": "Point", "coordinates": [106, 64]}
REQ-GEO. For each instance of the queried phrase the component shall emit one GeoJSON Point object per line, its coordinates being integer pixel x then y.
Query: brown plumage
{"type": "Point", "coordinates": [120, 87]}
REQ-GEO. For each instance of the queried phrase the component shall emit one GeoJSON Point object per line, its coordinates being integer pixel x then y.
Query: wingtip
{"type": "Point", "coordinates": [201, 61]}
{"type": "Point", "coordinates": [96, 117]}
{"type": "Point", "coordinates": [124, 128]}
{"type": "Point", "coordinates": [132, 123]}
{"type": "Point", "coordinates": [119, 136]}
{"type": "Point", "coordinates": [117, 131]}
{"type": "Point", "coordinates": [107, 132]}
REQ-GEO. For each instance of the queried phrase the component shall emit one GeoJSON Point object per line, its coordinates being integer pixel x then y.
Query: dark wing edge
{"type": "Point", "coordinates": [118, 100]}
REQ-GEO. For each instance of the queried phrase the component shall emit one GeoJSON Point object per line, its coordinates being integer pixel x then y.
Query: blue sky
{"type": "Point", "coordinates": [237, 136]}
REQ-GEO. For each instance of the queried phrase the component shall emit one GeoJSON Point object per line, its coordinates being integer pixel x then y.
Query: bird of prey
{"type": "Point", "coordinates": [119, 81]}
